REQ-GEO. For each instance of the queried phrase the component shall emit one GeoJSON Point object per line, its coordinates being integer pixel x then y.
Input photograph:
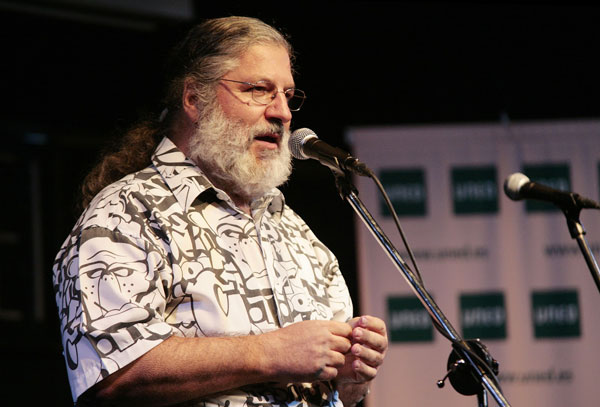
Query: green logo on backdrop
{"type": "Point", "coordinates": [474, 190]}
{"type": "Point", "coordinates": [483, 315]}
{"type": "Point", "coordinates": [555, 314]}
{"type": "Point", "coordinates": [406, 190]}
{"type": "Point", "coordinates": [553, 175]}
{"type": "Point", "coordinates": [408, 321]}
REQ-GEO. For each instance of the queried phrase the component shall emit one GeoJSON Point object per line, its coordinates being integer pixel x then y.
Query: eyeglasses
{"type": "Point", "coordinates": [264, 92]}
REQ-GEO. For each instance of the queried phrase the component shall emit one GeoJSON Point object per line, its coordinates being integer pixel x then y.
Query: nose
{"type": "Point", "coordinates": [279, 109]}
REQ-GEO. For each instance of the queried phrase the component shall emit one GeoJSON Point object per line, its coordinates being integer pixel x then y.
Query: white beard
{"type": "Point", "coordinates": [221, 148]}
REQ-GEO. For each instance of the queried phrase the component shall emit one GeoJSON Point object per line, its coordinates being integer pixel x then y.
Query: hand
{"type": "Point", "coordinates": [369, 346]}
{"type": "Point", "coordinates": [307, 351]}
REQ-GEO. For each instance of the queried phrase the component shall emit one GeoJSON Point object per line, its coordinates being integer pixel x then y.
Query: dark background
{"type": "Point", "coordinates": [75, 74]}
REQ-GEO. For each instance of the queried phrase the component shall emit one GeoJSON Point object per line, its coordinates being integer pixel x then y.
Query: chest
{"type": "Point", "coordinates": [234, 275]}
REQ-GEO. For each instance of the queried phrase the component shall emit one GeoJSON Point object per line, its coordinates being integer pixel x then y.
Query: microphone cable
{"type": "Point", "coordinates": [390, 206]}
{"type": "Point", "coordinates": [455, 343]}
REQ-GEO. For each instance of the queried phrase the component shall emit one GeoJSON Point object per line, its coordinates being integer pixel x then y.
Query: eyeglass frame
{"type": "Point", "coordinates": [253, 87]}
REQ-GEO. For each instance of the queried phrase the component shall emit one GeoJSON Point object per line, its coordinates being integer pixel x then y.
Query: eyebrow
{"type": "Point", "coordinates": [270, 81]}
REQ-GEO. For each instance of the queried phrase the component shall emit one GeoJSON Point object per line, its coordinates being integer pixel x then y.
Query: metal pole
{"type": "Point", "coordinates": [434, 311]}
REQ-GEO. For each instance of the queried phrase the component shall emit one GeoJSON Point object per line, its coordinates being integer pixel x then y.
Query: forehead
{"type": "Point", "coordinates": [265, 62]}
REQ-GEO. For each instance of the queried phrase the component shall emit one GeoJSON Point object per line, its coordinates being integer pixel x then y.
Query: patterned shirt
{"type": "Point", "coordinates": [163, 252]}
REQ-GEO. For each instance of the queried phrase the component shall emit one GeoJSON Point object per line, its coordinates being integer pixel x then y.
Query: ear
{"type": "Point", "coordinates": [190, 101]}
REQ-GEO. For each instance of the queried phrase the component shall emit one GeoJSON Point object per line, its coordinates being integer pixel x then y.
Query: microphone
{"type": "Point", "coordinates": [518, 186]}
{"type": "Point", "coordinates": [305, 144]}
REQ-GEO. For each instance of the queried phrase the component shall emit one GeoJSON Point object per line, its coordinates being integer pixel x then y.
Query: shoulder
{"type": "Point", "coordinates": [122, 202]}
{"type": "Point", "coordinates": [296, 226]}
{"type": "Point", "coordinates": [291, 216]}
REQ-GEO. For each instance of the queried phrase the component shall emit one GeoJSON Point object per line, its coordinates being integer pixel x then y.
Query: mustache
{"type": "Point", "coordinates": [273, 127]}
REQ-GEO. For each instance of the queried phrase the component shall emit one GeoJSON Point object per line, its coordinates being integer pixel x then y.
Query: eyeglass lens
{"type": "Point", "coordinates": [264, 92]}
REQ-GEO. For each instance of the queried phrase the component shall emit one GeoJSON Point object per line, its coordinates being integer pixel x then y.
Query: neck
{"type": "Point", "coordinates": [245, 207]}
{"type": "Point", "coordinates": [241, 201]}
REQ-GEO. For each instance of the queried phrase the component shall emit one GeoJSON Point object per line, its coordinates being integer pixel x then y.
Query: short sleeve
{"type": "Point", "coordinates": [111, 302]}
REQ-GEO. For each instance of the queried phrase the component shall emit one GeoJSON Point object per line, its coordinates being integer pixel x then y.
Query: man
{"type": "Point", "coordinates": [189, 281]}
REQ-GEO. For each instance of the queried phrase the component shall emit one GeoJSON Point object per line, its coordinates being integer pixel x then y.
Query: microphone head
{"type": "Point", "coordinates": [513, 185]}
{"type": "Point", "coordinates": [297, 140]}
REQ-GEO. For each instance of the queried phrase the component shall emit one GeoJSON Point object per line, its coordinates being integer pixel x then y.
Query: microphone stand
{"type": "Point", "coordinates": [572, 211]}
{"type": "Point", "coordinates": [477, 370]}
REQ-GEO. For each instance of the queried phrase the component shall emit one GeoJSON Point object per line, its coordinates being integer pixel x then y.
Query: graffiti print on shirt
{"type": "Point", "coordinates": [162, 252]}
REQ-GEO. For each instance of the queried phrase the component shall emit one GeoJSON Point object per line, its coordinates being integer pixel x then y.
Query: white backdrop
{"type": "Point", "coordinates": [508, 272]}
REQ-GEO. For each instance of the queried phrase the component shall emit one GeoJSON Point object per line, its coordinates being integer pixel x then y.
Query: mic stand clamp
{"type": "Point", "coordinates": [572, 210]}
{"type": "Point", "coordinates": [479, 370]}
{"type": "Point", "coordinates": [461, 376]}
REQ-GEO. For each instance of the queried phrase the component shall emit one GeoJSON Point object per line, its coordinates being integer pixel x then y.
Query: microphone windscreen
{"type": "Point", "coordinates": [297, 140]}
{"type": "Point", "coordinates": [513, 185]}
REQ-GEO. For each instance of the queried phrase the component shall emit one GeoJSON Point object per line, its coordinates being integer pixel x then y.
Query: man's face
{"type": "Point", "coordinates": [259, 63]}
{"type": "Point", "coordinates": [239, 143]}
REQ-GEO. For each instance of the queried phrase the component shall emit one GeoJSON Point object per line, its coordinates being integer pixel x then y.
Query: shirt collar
{"type": "Point", "coordinates": [187, 181]}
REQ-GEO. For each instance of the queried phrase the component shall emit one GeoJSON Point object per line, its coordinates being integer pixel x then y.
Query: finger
{"type": "Point", "coordinates": [372, 324]}
{"type": "Point", "coordinates": [340, 344]}
{"type": "Point", "coordinates": [364, 371]}
{"type": "Point", "coordinates": [366, 355]}
{"type": "Point", "coordinates": [354, 322]}
{"type": "Point", "coordinates": [339, 328]}
{"type": "Point", "coordinates": [326, 373]}
{"type": "Point", "coordinates": [336, 359]}
{"type": "Point", "coordinates": [370, 339]}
